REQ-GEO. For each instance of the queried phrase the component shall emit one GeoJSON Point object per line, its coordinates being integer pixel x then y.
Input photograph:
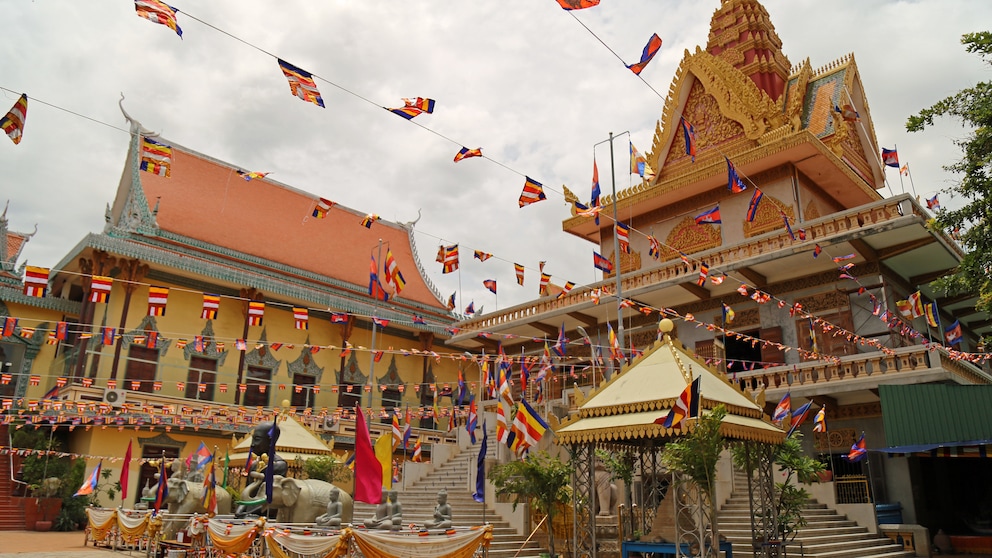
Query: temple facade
{"type": "Point", "coordinates": [210, 300]}
{"type": "Point", "coordinates": [796, 283]}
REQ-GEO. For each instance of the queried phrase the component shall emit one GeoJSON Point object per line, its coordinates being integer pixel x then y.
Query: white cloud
{"type": "Point", "coordinates": [522, 79]}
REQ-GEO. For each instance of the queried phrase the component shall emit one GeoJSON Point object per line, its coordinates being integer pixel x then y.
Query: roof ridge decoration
{"type": "Point", "coordinates": [408, 226]}
{"type": "Point", "coordinates": [9, 261]}
{"type": "Point", "coordinates": [738, 98]}
{"type": "Point", "coordinates": [134, 216]}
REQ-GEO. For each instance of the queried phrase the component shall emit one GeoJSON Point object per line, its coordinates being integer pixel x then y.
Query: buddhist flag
{"type": "Point", "coordinates": [451, 301]}
{"type": "Point", "coordinates": [623, 237]}
{"type": "Point", "coordinates": [158, 297]}
{"type": "Point", "coordinates": [734, 183]}
{"type": "Point", "coordinates": [712, 216]}
{"type": "Point", "coordinates": [368, 469]}
{"type": "Point", "coordinates": [639, 164]}
{"type": "Point", "coordinates": [704, 271]}
{"type": "Point", "coordinates": [650, 49]}
{"type": "Point", "coordinates": [158, 12]}
{"type": "Point", "coordinates": [156, 157]}
{"type": "Point", "coordinates": [482, 256]}
{"type": "Point", "coordinates": [519, 270]}
{"type": "Point", "coordinates": [654, 247]}
{"type": "Point", "coordinates": [601, 263]}
{"type": "Point", "coordinates": [301, 318]}
{"type": "Point", "coordinates": [689, 137]}
{"type": "Point", "coordinates": [301, 83]}
{"type": "Point", "coordinates": [528, 427]}
{"type": "Point", "coordinates": [543, 287]}
{"type": "Point", "coordinates": [490, 284]}
{"type": "Point", "coordinates": [686, 406]}
{"type": "Point", "coordinates": [211, 304]}
{"type": "Point", "coordinates": [35, 281]}
{"type": "Point", "coordinates": [369, 219]}
{"type": "Point", "coordinates": [820, 420]}
{"type": "Point", "coordinates": [13, 122]}
{"type": "Point", "coordinates": [533, 192]}
{"type": "Point", "coordinates": [890, 157]}
{"type": "Point", "coordinates": [449, 258]}
{"type": "Point", "coordinates": [100, 289]}
{"type": "Point", "coordinates": [932, 315]}
{"type": "Point", "coordinates": [417, 451]}
{"type": "Point", "coordinates": [393, 275]}
{"type": "Point", "coordinates": [256, 311]}
{"type": "Point", "coordinates": [249, 176]}
{"type": "Point", "coordinates": [321, 208]}
{"type": "Point", "coordinates": [466, 153]}
{"type": "Point", "coordinates": [916, 304]}
{"type": "Point", "coordinates": [752, 206]}
{"type": "Point", "coordinates": [414, 107]}
{"type": "Point", "coordinates": [577, 4]}
{"type": "Point", "coordinates": [89, 485]}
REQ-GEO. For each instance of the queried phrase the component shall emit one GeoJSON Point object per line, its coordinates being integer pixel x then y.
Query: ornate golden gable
{"type": "Point", "coordinates": [689, 237]}
{"type": "Point", "coordinates": [769, 216]}
{"type": "Point", "coordinates": [628, 262]}
{"type": "Point", "coordinates": [796, 94]}
{"type": "Point", "coordinates": [712, 127]}
{"type": "Point", "coordinates": [737, 97]}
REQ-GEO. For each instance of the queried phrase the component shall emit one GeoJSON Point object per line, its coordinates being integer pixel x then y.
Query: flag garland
{"type": "Point", "coordinates": [650, 49]}
{"type": "Point", "coordinates": [100, 289]}
{"type": "Point", "coordinates": [623, 237]}
{"type": "Point", "coordinates": [533, 192]}
{"type": "Point", "coordinates": [639, 164]}
{"type": "Point", "coordinates": [156, 157]}
{"type": "Point", "coordinates": [466, 153]}
{"type": "Point", "coordinates": [301, 83]}
{"type": "Point", "coordinates": [211, 305]}
{"type": "Point", "coordinates": [158, 12]}
{"type": "Point", "coordinates": [413, 107]}
{"type": "Point", "coordinates": [752, 206]}
{"type": "Point", "coordinates": [519, 270]}
{"type": "Point", "coordinates": [482, 256]}
{"type": "Point", "coordinates": [322, 207]}
{"type": "Point", "coordinates": [301, 318]}
{"type": "Point", "coordinates": [158, 297]}
{"type": "Point", "coordinates": [35, 281]}
{"type": "Point", "coordinates": [256, 311]}
{"type": "Point", "coordinates": [734, 182]}
{"type": "Point", "coordinates": [13, 122]}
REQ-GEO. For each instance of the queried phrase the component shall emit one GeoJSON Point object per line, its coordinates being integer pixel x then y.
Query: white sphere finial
{"type": "Point", "coordinates": [666, 325]}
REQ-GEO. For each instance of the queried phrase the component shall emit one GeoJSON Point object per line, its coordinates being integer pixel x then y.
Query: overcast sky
{"type": "Point", "coordinates": [520, 78]}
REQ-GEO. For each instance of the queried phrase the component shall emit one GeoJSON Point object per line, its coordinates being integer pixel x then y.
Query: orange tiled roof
{"type": "Point", "coordinates": [207, 200]}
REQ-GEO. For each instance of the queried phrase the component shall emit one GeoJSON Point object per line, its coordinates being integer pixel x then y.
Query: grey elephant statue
{"type": "Point", "coordinates": [606, 492]}
{"type": "Point", "coordinates": [187, 496]}
{"type": "Point", "coordinates": [303, 500]}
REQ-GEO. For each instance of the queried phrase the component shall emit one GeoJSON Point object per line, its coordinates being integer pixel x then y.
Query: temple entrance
{"type": "Point", "coordinates": [742, 355]}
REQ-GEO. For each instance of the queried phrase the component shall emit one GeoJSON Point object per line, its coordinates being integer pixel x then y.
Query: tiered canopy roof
{"type": "Point", "coordinates": [624, 410]}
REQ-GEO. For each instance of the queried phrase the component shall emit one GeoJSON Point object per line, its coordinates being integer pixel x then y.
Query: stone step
{"type": "Point", "coordinates": [743, 532]}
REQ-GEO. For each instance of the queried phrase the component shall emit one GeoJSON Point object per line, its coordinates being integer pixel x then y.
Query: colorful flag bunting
{"type": "Point", "coordinates": [533, 192]}
{"type": "Point", "coordinates": [413, 107]}
{"type": "Point", "coordinates": [602, 263]}
{"type": "Point", "coordinates": [712, 216]}
{"type": "Point", "coordinates": [639, 164]}
{"type": "Point", "coordinates": [482, 256]}
{"type": "Point", "coordinates": [301, 83]}
{"type": "Point", "coordinates": [256, 311]}
{"type": "Point", "coordinates": [466, 153]}
{"type": "Point", "coordinates": [623, 237]}
{"type": "Point", "coordinates": [211, 305]}
{"type": "Point", "coordinates": [100, 289]}
{"type": "Point", "coordinates": [35, 281]}
{"type": "Point", "coordinates": [250, 175]}
{"type": "Point", "coordinates": [158, 12]}
{"type": "Point", "coordinates": [734, 182]}
{"type": "Point", "coordinates": [519, 270]}
{"type": "Point", "coordinates": [752, 206]}
{"type": "Point", "coordinates": [449, 258]}
{"type": "Point", "coordinates": [158, 297]}
{"type": "Point", "coordinates": [650, 49]}
{"type": "Point", "coordinates": [543, 287]}
{"type": "Point", "coordinates": [13, 122]}
{"type": "Point", "coordinates": [301, 318]}
{"type": "Point", "coordinates": [369, 219]}
{"type": "Point", "coordinates": [322, 207]}
{"type": "Point", "coordinates": [156, 157]}
{"type": "Point", "coordinates": [490, 284]}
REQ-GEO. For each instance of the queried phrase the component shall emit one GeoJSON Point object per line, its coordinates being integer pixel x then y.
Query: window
{"type": "Point", "coordinates": [255, 378]}
{"type": "Point", "coordinates": [391, 398]}
{"type": "Point", "coordinates": [305, 397]}
{"type": "Point", "coordinates": [828, 343]}
{"type": "Point", "coordinates": [201, 371]}
{"type": "Point", "coordinates": [142, 364]}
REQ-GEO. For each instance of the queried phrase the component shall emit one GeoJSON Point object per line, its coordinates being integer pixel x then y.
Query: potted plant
{"type": "Point", "coordinates": [540, 480]}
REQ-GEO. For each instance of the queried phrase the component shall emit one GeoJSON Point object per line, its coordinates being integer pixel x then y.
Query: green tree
{"type": "Point", "coordinates": [326, 468]}
{"type": "Point", "coordinates": [541, 480]}
{"type": "Point", "coordinates": [973, 106]}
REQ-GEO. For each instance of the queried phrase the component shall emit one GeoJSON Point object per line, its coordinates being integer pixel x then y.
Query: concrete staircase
{"type": "Point", "coordinates": [418, 501]}
{"type": "Point", "coordinates": [826, 535]}
{"type": "Point", "coordinates": [11, 509]}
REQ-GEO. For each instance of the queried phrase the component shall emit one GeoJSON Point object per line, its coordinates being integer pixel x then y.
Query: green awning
{"type": "Point", "coordinates": [935, 414]}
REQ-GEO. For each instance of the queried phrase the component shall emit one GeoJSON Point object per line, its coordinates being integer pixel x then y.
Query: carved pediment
{"type": "Point", "coordinates": [688, 237]}
{"type": "Point", "coordinates": [769, 216]}
{"type": "Point", "coordinates": [261, 355]}
{"type": "Point", "coordinates": [351, 374]}
{"type": "Point", "coordinates": [724, 92]}
{"type": "Point", "coordinates": [628, 262]}
{"type": "Point", "coordinates": [392, 376]}
{"type": "Point", "coordinates": [305, 364]}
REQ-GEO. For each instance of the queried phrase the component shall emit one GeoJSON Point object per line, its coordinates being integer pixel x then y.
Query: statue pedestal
{"type": "Point", "coordinates": [607, 536]}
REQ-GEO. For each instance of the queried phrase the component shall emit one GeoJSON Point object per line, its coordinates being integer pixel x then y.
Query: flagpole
{"type": "Point", "coordinates": [901, 185]}
{"type": "Point", "coordinates": [375, 311]}
{"type": "Point", "coordinates": [909, 173]}
{"type": "Point", "coordinates": [871, 484]}
{"type": "Point", "coordinates": [616, 243]}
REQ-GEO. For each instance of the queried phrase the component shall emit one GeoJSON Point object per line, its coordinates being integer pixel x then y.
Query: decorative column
{"type": "Point", "coordinates": [132, 273]}
{"type": "Point", "coordinates": [247, 296]}
{"type": "Point", "coordinates": [100, 264]}
{"type": "Point", "coordinates": [583, 490]}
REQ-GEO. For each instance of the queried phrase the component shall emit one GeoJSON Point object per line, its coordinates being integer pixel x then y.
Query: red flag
{"type": "Point", "coordinates": [124, 470]}
{"type": "Point", "coordinates": [368, 470]}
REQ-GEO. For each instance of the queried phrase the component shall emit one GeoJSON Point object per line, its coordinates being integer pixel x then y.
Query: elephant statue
{"type": "Point", "coordinates": [606, 492]}
{"type": "Point", "coordinates": [303, 500]}
{"type": "Point", "coordinates": [186, 497]}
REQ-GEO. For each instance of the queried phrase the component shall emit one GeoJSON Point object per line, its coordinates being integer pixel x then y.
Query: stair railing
{"type": "Point", "coordinates": [10, 463]}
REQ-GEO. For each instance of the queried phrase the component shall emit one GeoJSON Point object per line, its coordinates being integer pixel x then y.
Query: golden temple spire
{"type": "Point", "coordinates": [742, 34]}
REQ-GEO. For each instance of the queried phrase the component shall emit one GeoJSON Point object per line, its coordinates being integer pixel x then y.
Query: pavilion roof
{"type": "Point", "coordinates": [295, 441]}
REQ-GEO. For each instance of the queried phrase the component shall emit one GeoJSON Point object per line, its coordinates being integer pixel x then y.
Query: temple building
{"type": "Point", "coordinates": [764, 234]}
{"type": "Point", "coordinates": [211, 298]}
